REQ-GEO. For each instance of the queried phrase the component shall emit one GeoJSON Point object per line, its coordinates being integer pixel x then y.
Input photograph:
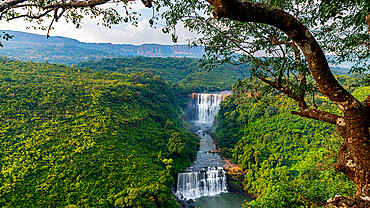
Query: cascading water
{"type": "Point", "coordinates": [207, 182]}
{"type": "Point", "coordinates": [208, 107]}
{"type": "Point", "coordinates": [205, 176]}
{"type": "Point", "coordinates": [204, 108]}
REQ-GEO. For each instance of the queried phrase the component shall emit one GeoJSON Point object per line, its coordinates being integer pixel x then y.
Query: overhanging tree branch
{"type": "Point", "coordinates": [318, 115]}
{"type": "Point", "coordinates": [10, 4]}
{"type": "Point", "coordinates": [354, 124]}
{"type": "Point", "coordinates": [32, 16]}
{"type": "Point", "coordinates": [246, 11]}
{"type": "Point", "coordinates": [76, 4]}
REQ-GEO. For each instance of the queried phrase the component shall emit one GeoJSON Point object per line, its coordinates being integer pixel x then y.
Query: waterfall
{"type": "Point", "coordinates": [206, 182]}
{"type": "Point", "coordinates": [208, 107]}
{"type": "Point", "coordinates": [204, 108]}
{"type": "Point", "coordinates": [205, 176]}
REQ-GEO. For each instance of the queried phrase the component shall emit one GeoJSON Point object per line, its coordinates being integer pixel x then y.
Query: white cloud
{"type": "Point", "coordinates": [123, 33]}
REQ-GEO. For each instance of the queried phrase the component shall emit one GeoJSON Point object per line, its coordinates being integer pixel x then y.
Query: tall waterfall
{"type": "Point", "coordinates": [208, 182]}
{"type": "Point", "coordinates": [204, 108]}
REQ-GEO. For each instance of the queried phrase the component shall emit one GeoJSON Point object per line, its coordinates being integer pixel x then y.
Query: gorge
{"type": "Point", "coordinates": [205, 181]}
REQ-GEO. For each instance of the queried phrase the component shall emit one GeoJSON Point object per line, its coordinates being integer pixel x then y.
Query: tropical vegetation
{"type": "Point", "coordinates": [185, 74]}
{"type": "Point", "coordinates": [79, 137]}
{"type": "Point", "coordinates": [288, 160]}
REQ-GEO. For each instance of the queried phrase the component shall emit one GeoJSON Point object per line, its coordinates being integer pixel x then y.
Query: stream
{"type": "Point", "coordinates": [204, 182]}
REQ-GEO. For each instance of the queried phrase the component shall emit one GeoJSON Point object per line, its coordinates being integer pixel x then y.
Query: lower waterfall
{"type": "Point", "coordinates": [206, 182]}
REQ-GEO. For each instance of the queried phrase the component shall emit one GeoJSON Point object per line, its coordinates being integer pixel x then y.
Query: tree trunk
{"type": "Point", "coordinates": [354, 153]}
{"type": "Point", "coordinates": [353, 126]}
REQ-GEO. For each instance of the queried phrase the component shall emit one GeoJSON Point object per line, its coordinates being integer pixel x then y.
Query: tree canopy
{"type": "Point", "coordinates": [79, 137]}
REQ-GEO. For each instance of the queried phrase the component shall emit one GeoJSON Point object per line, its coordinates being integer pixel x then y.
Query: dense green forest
{"type": "Point", "coordinates": [109, 133]}
{"type": "Point", "coordinates": [66, 54]}
{"type": "Point", "coordinates": [289, 159]}
{"type": "Point", "coordinates": [72, 136]}
{"type": "Point", "coordinates": [184, 73]}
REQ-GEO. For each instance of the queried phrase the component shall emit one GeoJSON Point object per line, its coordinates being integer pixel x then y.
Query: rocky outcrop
{"type": "Point", "coordinates": [347, 202]}
{"type": "Point", "coordinates": [361, 200]}
{"type": "Point", "coordinates": [235, 177]}
{"type": "Point", "coordinates": [185, 204]}
{"type": "Point", "coordinates": [234, 185]}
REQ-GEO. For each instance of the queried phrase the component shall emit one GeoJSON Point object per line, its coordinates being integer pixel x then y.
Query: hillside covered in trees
{"type": "Point", "coordinates": [55, 49]}
{"type": "Point", "coordinates": [184, 73]}
{"type": "Point", "coordinates": [72, 136]}
{"type": "Point", "coordinates": [289, 160]}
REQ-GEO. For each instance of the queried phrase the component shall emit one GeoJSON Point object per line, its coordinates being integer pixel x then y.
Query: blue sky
{"type": "Point", "coordinates": [123, 33]}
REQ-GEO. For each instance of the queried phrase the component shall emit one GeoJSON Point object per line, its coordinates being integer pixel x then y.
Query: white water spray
{"type": "Point", "coordinates": [207, 182]}
{"type": "Point", "coordinates": [208, 106]}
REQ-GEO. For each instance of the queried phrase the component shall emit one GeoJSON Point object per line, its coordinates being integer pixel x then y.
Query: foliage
{"type": "Point", "coordinates": [74, 136]}
{"type": "Point", "coordinates": [70, 11]}
{"type": "Point", "coordinates": [6, 37]}
{"type": "Point", "coordinates": [240, 42]}
{"type": "Point", "coordinates": [289, 159]}
{"type": "Point", "coordinates": [184, 73]}
{"type": "Point", "coordinates": [348, 24]}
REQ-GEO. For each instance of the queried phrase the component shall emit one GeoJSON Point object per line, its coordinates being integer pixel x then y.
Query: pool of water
{"type": "Point", "coordinates": [224, 200]}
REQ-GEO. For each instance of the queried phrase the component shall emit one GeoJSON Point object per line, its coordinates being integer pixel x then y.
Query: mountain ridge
{"type": "Point", "coordinates": [41, 49]}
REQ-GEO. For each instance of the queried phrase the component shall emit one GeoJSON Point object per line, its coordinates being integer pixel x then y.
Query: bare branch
{"type": "Point", "coordinates": [76, 4]}
{"type": "Point", "coordinates": [288, 92]}
{"type": "Point", "coordinates": [10, 4]}
{"type": "Point", "coordinates": [318, 115]}
{"type": "Point", "coordinates": [31, 16]}
{"type": "Point", "coordinates": [367, 18]}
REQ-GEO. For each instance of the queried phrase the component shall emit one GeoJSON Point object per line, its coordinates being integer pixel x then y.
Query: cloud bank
{"type": "Point", "coordinates": [124, 33]}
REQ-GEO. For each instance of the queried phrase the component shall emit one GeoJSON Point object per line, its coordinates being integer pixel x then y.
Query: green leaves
{"type": "Point", "coordinates": [6, 37]}
{"type": "Point", "coordinates": [288, 160]}
{"type": "Point", "coordinates": [183, 73]}
{"type": "Point", "coordinates": [73, 136]}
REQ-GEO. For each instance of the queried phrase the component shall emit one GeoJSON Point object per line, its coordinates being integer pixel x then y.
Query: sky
{"type": "Point", "coordinates": [123, 33]}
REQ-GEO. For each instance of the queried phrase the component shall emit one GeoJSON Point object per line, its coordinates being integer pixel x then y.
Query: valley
{"type": "Point", "coordinates": [134, 131]}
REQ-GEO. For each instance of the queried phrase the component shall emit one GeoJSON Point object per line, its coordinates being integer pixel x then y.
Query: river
{"type": "Point", "coordinates": [204, 182]}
